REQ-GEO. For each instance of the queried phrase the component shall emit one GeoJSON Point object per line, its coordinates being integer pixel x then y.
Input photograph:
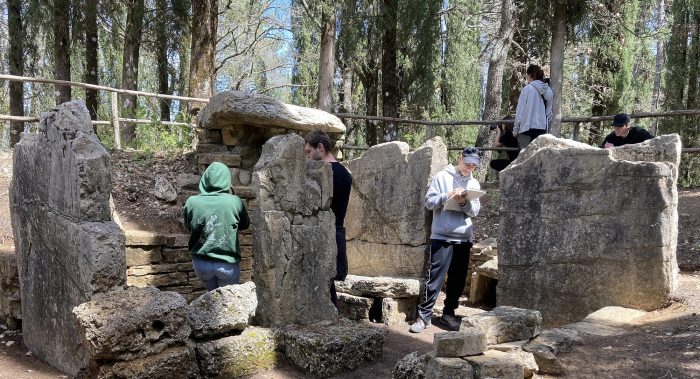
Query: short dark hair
{"type": "Point", "coordinates": [317, 137]}
{"type": "Point", "coordinates": [535, 71]}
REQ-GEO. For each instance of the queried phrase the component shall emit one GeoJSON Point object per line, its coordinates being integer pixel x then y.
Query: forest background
{"type": "Point", "coordinates": [413, 59]}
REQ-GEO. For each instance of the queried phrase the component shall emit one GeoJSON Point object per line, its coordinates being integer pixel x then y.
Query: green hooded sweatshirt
{"type": "Point", "coordinates": [214, 217]}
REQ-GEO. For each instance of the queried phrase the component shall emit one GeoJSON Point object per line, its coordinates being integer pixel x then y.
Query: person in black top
{"type": "Point", "coordinates": [504, 138]}
{"type": "Point", "coordinates": [624, 133]}
{"type": "Point", "coordinates": [318, 147]}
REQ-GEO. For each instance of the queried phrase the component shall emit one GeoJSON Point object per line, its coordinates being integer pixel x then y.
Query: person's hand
{"type": "Point", "coordinates": [515, 134]}
{"type": "Point", "coordinates": [461, 200]}
{"type": "Point", "coordinates": [608, 145]}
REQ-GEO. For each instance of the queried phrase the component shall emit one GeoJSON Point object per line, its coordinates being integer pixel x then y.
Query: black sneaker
{"type": "Point", "coordinates": [452, 322]}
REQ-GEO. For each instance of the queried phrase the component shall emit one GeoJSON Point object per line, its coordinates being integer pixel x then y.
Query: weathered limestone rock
{"type": "Point", "coordinates": [548, 345]}
{"type": "Point", "coordinates": [240, 108]}
{"type": "Point", "coordinates": [614, 316]}
{"type": "Point", "coordinates": [10, 307]}
{"type": "Point", "coordinates": [354, 307]}
{"type": "Point", "coordinates": [572, 241]}
{"type": "Point", "coordinates": [325, 349]}
{"type": "Point", "coordinates": [223, 310]}
{"type": "Point", "coordinates": [164, 190]}
{"type": "Point", "coordinates": [176, 362]}
{"type": "Point", "coordinates": [132, 323]}
{"type": "Point", "coordinates": [379, 286]}
{"type": "Point", "coordinates": [294, 241]}
{"type": "Point", "coordinates": [398, 311]}
{"type": "Point", "coordinates": [495, 364]}
{"type": "Point", "coordinates": [448, 368]}
{"type": "Point", "coordinates": [505, 324]}
{"type": "Point", "coordinates": [388, 237]}
{"type": "Point", "coordinates": [468, 341]}
{"type": "Point", "coordinates": [252, 351]}
{"type": "Point", "coordinates": [411, 366]}
{"type": "Point", "coordinates": [68, 248]}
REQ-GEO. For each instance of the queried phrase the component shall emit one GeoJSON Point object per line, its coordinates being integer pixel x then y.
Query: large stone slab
{"type": "Point", "coordinates": [132, 323]}
{"type": "Point", "coordinates": [385, 234]}
{"type": "Point", "coordinates": [354, 307]}
{"type": "Point", "coordinates": [237, 108]}
{"type": "Point", "coordinates": [254, 350]}
{"type": "Point", "coordinates": [176, 362]}
{"type": "Point", "coordinates": [505, 324]}
{"type": "Point", "coordinates": [325, 349]}
{"type": "Point", "coordinates": [223, 310]}
{"type": "Point", "coordinates": [379, 286]}
{"type": "Point", "coordinates": [294, 259]}
{"type": "Point", "coordinates": [379, 259]}
{"type": "Point", "coordinates": [583, 228]}
{"type": "Point", "coordinates": [496, 364]}
{"type": "Point", "coordinates": [615, 316]}
{"type": "Point", "coordinates": [68, 248]}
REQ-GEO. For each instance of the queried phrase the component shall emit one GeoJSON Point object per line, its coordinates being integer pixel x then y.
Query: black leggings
{"type": "Point", "coordinates": [445, 258]}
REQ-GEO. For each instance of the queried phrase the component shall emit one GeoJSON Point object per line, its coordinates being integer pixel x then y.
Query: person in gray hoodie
{"type": "Point", "coordinates": [533, 115]}
{"type": "Point", "coordinates": [450, 238]}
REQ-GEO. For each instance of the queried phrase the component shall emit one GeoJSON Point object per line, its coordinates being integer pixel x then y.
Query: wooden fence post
{"type": "Point", "coordinates": [115, 120]}
{"type": "Point", "coordinates": [576, 133]}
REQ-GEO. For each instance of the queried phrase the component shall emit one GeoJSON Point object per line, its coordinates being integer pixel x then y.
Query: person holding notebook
{"type": "Point", "coordinates": [450, 239]}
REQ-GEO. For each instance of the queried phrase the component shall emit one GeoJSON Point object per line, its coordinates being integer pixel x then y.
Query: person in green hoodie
{"type": "Point", "coordinates": [214, 218]}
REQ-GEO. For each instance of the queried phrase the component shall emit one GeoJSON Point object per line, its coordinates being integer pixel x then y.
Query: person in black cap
{"type": "Point", "coordinates": [450, 239]}
{"type": "Point", "coordinates": [624, 133]}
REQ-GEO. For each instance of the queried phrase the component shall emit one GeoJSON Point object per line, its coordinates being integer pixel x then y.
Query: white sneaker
{"type": "Point", "coordinates": [419, 326]}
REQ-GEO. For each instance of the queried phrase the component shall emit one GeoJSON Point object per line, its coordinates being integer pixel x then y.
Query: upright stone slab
{"type": "Point", "coordinates": [387, 225]}
{"type": "Point", "coordinates": [68, 248]}
{"type": "Point", "coordinates": [294, 244]}
{"type": "Point", "coordinates": [583, 227]}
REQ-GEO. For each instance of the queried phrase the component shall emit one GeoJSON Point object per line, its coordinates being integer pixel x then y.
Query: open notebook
{"type": "Point", "coordinates": [472, 194]}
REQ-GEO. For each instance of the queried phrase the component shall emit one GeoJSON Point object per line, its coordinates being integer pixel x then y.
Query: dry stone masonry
{"type": "Point", "coordinates": [10, 307]}
{"type": "Point", "coordinates": [68, 248]}
{"type": "Point", "coordinates": [294, 244]}
{"type": "Point", "coordinates": [583, 228]}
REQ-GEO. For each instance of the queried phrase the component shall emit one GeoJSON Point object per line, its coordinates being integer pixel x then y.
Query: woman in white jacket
{"type": "Point", "coordinates": [533, 114]}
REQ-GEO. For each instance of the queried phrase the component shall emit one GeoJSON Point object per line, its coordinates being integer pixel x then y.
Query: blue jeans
{"type": "Point", "coordinates": [215, 274]}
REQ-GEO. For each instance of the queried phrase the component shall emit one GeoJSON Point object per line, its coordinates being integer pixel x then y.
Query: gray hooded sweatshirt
{"type": "Point", "coordinates": [451, 225]}
{"type": "Point", "coordinates": [533, 112]}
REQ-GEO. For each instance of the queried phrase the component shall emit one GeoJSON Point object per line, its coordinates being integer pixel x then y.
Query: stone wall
{"type": "Point", "coordinates": [583, 228]}
{"type": "Point", "coordinates": [68, 248]}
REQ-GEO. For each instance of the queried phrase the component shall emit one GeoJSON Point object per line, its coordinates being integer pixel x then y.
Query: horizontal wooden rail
{"type": "Point", "coordinates": [101, 122]}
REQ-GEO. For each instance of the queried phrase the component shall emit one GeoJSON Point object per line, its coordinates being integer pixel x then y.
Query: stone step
{"type": "Point", "coordinates": [379, 286]}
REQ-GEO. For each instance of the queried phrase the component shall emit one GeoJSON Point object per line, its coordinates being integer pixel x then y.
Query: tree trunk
{"type": "Point", "coordinates": [91, 46]}
{"type": "Point", "coordinates": [557, 63]}
{"type": "Point", "coordinates": [130, 65]}
{"type": "Point", "coordinates": [203, 51]}
{"type": "Point", "coordinates": [390, 79]}
{"type": "Point", "coordinates": [326, 67]}
{"type": "Point", "coordinates": [16, 35]}
{"type": "Point", "coordinates": [371, 91]}
{"type": "Point", "coordinates": [61, 48]}
{"type": "Point", "coordinates": [162, 57]}
{"type": "Point", "coordinates": [661, 23]}
{"type": "Point", "coordinates": [519, 60]}
{"type": "Point", "coordinates": [494, 78]}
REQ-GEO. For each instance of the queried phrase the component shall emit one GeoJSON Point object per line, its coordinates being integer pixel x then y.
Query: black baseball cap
{"type": "Point", "coordinates": [621, 119]}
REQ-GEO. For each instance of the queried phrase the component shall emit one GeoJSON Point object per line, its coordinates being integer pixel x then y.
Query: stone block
{"type": "Point", "coordinates": [354, 307]}
{"type": "Point", "coordinates": [594, 329]}
{"type": "Point", "coordinates": [246, 239]}
{"type": "Point", "coordinates": [488, 268]}
{"type": "Point", "coordinates": [175, 255]}
{"type": "Point", "coordinates": [209, 136]}
{"type": "Point", "coordinates": [254, 350]}
{"type": "Point", "coordinates": [585, 253]}
{"type": "Point", "coordinates": [10, 305]}
{"type": "Point", "coordinates": [325, 349]}
{"type": "Point", "coordinates": [614, 316]}
{"type": "Point", "coordinates": [176, 362]}
{"type": "Point", "coordinates": [231, 136]}
{"type": "Point", "coordinates": [133, 323]}
{"type": "Point", "coordinates": [505, 324]}
{"type": "Point", "coordinates": [196, 282]}
{"type": "Point", "coordinates": [398, 311]}
{"type": "Point", "coordinates": [495, 364]}
{"type": "Point", "coordinates": [240, 108]}
{"type": "Point", "coordinates": [244, 192]}
{"type": "Point", "coordinates": [379, 286]}
{"type": "Point", "coordinates": [223, 310]}
{"type": "Point", "coordinates": [448, 368]}
{"type": "Point", "coordinates": [177, 240]}
{"type": "Point", "coordinates": [143, 238]}
{"type": "Point", "coordinates": [468, 341]}
{"type": "Point", "coordinates": [482, 289]}
{"type": "Point", "coordinates": [158, 280]}
{"type": "Point", "coordinates": [230, 160]}
{"type": "Point", "coordinates": [411, 366]}
{"type": "Point", "coordinates": [142, 255]}
{"type": "Point", "coordinates": [393, 260]}
{"type": "Point", "coordinates": [246, 264]}
{"type": "Point", "coordinates": [158, 269]}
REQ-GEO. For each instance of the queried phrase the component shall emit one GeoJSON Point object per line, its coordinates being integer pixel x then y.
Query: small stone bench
{"type": "Point", "coordinates": [389, 300]}
{"type": "Point", "coordinates": [483, 283]}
